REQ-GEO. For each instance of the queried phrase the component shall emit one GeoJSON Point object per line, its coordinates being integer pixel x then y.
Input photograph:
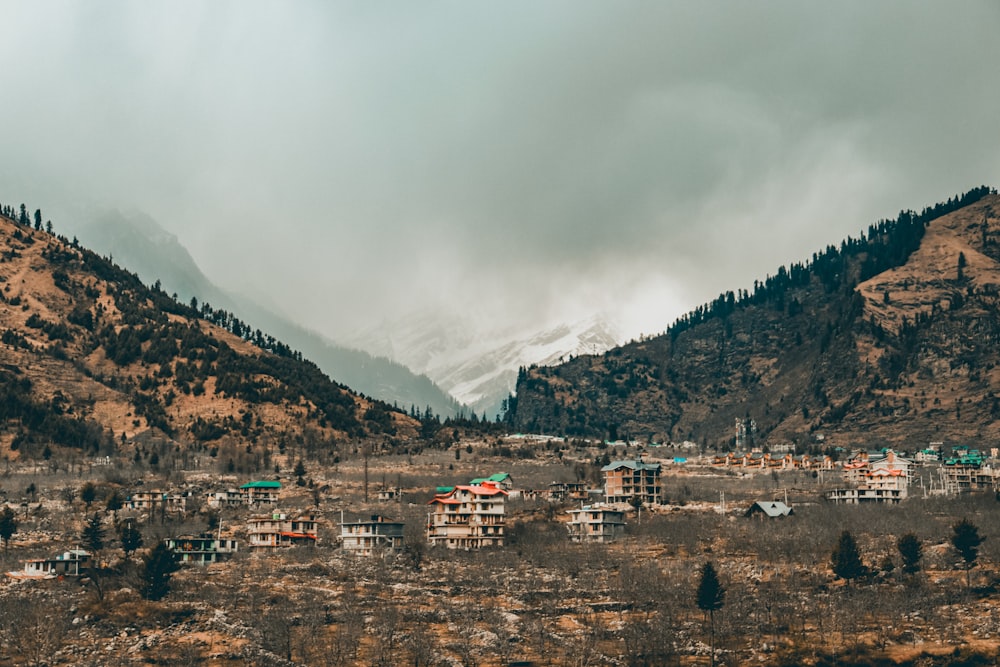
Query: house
{"type": "Point", "coordinates": [66, 564]}
{"type": "Point", "coordinates": [152, 502]}
{"type": "Point", "coordinates": [200, 550]}
{"type": "Point", "coordinates": [632, 481]}
{"type": "Point", "coordinates": [969, 477]}
{"type": "Point", "coordinates": [928, 455]}
{"type": "Point", "coordinates": [771, 509]}
{"type": "Point", "coordinates": [892, 462]}
{"type": "Point", "coordinates": [389, 495]}
{"type": "Point", "coordinates": [267, 531]}
{"type": "Point", "coordinates": [261, 492]}
{"type": "Point", "coordinates": [567, 491]}
{"type": "Point", "coordinates": [502, 480]}
{"type": "Point", "coordinates": [467, 517]}
{"type": "Point", "coordinates": [860, 495]}
{"type": "Point", "coordinates": [227, 498]}
{"type": "Point", "coordinates": [596, 523]}
{"type": "Point", "coordinates": [377, 535]}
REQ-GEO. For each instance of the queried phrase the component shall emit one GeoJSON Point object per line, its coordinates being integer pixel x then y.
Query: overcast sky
{"type": "Point", "coordinates": [522, 161]}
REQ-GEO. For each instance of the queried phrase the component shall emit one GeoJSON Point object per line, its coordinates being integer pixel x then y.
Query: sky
{"type": "Point", "coordinates": [511, 163]}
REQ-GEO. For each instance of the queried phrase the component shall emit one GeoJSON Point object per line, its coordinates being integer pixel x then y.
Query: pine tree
{"type": "Point", "coordinates": [93, 535]}
{"type": "Point", "coordinates": [157, 569]}
{"type": "Point", "coordinates": [8, 526]}
{"type": "Point", "coordinates": [88, 493]}
{"type": "Point", "coordinates": [846, 559]}
{"type": "Point", "coordinates": [911, 552]}
{"type": "Point", "coordinates": [710, 597]}
{"type": "Point", "coordinates": [966, 540]}
{"type": "Point", "coordinates": [130, 537]}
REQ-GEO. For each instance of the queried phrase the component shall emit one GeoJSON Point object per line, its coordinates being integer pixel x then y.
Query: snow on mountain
{"type": "Point", "coordinates": [476, 364]}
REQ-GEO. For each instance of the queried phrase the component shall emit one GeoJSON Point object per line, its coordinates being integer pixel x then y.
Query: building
{"type": "Point", "coordinates": [223, 499]}
{"type": "Point", "coordinates": [264, 492]}
{"type": "Point", "coordinates": [893, 463]}
{"type": "Point", "coordinates": [392, 494]}
{"type": "Point", "coordinates": [502, 480]}
{"type": "Point", "coordinates": [200, 550]}
{"type": "Point", "coordinates": [376, 535]}
{"type": "Point", "coordinates": [267, 531]}
{"type": "Point", "coordinates": [771, 509]}
{"type": "Point", "coordinates": [152, 502]}
{"type": "Point", "coordinates": [467, 517]}
{"type": "Point", "coordinates": [66, 564]}
{"type": "Point", "coordinates": [559, 491]}
{"type": "Point", "coordinates": [632, 481]}
{"type": "Point", "coordinates": [596, 523]}
{"type": "Point", "coordinates": [959, 477]}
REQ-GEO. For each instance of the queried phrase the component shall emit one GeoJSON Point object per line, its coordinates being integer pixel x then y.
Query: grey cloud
{"type": "Point", "coordinates": [353, 161]}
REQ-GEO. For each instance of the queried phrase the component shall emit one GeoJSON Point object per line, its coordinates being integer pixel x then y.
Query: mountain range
{"type": "Point", "coordinates": [452, 365]}
{"type": "Point", "coordinates": [476, 368]}
{"type": "Point", "coordinates": [141, 244]}
{"type": "Point", "coordinates": [888, 338]}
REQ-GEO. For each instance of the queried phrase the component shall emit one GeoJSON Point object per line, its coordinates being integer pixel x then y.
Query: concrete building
{"type": "Point", "coordinates": [467, 517]}
{"type": "Point", "coordinates": [596, 523]}
{"type": "Point", "coordinates": [201, 549]}
{"type": "Point", "coordinates": [368, 537]}
{"type": "Point", "coordinates": [630, 481]}
{"type": "Point", "coordinates": [268, 531]}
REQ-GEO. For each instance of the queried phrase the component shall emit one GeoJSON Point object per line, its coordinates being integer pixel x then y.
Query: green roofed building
{"type": "Point", "coordinates": [501, 480]}
{"type": "Point", "coordinates": [264, 492]}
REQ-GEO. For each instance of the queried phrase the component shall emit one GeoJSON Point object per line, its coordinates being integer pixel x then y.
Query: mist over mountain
{"type": "Point", "coordinates": [137, 241]}
{"type": "Point", "coordinates": [889, 337]}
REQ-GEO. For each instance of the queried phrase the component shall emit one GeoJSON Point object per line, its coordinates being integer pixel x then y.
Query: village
{"type": "Point", "coordinates": [473, 515]}
{"type": "Point", "coordinates": [523, 524]}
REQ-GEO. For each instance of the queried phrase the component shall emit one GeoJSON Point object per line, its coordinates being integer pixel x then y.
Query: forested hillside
{"type": "Point", "coordinates": [93, 360]}
{"type": "Point", "coordinates": [886, 337]}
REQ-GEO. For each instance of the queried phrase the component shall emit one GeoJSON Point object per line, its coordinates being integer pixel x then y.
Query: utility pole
{"type": "Point", "coordinates": [366, 472]}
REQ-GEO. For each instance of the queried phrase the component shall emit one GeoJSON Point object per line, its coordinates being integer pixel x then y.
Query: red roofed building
{"type": "Point", "coordinates": [467, 517]}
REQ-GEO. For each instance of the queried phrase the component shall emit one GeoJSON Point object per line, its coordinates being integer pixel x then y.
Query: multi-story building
{"type": "Point", "coordinates": [596, 523]}
{"type": "Point", "coordinates": [632, 481]}
{"type": "Point", "coordinates": [152, 502]}
{"type": "Point", "coordinates": [268, 531]}
{"type": "Point", "coordinates": [227, 498]}
{"type": "Point", "coordinates": [467, 517]}
{"type": "Point", "coordinates": [264, 492]}
{"type": "Point", "coordinates": [201, 549]}
{"type": "Point", "coordinates": [376, 535]}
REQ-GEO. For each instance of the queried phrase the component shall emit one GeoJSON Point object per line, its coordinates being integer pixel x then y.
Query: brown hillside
{"type": "Point", "coordinates": [89, 348]}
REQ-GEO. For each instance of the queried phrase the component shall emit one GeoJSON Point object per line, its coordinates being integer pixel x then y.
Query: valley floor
{"type": "Point", "coordinates": [539, 600]}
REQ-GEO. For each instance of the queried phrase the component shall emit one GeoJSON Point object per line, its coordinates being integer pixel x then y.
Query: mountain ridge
{"type": "Point", "coordinates": [854, 344]}
{"type": "Point", "coordinates": [94, 360]}
{"type": "Point", "coordinates": [141, 243]}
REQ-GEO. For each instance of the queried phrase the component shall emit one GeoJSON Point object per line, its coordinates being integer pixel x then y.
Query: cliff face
{"type": "Point", "coordinates": [890, 338]}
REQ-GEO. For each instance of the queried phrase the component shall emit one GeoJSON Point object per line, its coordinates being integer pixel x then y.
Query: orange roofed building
{"type": "Point", "coordinates": [268, 531]}
{"type": "Point", "coordinates": [467, 517]}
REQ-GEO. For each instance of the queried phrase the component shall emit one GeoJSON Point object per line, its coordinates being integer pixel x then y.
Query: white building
{"type": "Point", "coordinates": [596, 523]}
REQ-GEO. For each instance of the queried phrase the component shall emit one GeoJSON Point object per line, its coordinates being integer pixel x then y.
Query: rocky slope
{"type": "Point", "coordinates": [889, 338]}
